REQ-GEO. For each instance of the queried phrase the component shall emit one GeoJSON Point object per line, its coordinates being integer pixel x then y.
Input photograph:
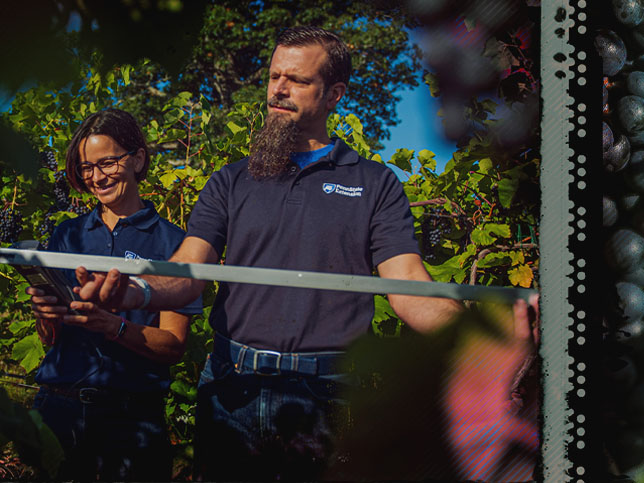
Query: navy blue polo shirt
{"type": "Point", "coordinates": [80, 354]}
{"type": "Point", "coordinates": [340, 214]}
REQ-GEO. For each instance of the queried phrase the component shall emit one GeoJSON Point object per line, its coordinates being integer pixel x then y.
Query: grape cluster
{"type": "Point", "coordinates": [77, 208]}
{"type": "Point", "coordinates": [436, 224]}
{"type": "Point", "coordinates": [61, 190]}
{"type": "Point", "coordinates": [48, 160]}
{"type": "Point", "coordinates": [10, 225]}
{"type": "Point", "coordinates": [46, 228]}
{"type": "Point", "coordinates": [621, 47]}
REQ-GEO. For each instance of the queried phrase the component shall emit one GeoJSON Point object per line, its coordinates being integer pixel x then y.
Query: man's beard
{"type": "Point", "coordinates": [272, 146]}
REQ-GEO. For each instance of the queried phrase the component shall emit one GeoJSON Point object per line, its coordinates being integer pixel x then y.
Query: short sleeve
{"type": "Point", "coordinates": [209, 218]}
{"type": "Point", "coordinates": [392, 224]}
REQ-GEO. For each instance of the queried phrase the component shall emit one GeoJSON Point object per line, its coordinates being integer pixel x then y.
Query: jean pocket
{"type": "Point", "coordinates": [327, 388]}
{"type": "Point", "coordinates": [215, 370]}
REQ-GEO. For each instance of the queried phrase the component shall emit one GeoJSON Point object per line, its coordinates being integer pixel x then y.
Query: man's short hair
{"type": "Point", "coordinates": [338, 66]}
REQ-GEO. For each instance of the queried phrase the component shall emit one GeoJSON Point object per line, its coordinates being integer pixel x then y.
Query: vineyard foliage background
{"type": "Point", "coordinates": [476, 221]}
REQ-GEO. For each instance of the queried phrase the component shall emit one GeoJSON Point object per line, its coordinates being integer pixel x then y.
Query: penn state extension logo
{"type": "Point", "coordinates": [131, 255]}
{"type": "Point", "coordinates": [328, 188]}
{"type": "Point", "coordinates": [352, 191]}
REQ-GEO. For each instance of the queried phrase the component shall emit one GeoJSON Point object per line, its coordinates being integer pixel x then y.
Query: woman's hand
{"type": "Point", "coordinates": [47, 330]}
{"type": "Point", "coordinates": [48, 314]}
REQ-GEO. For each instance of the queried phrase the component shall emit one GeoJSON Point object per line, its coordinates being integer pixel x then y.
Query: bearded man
{"type": "Point", "coordinates": [268, 404]}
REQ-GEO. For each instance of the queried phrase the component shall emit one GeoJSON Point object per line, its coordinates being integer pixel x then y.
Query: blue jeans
{"type": "Point", "coordinates": [267, 427]}
{"type": "Point", "coordinates": [112, 440]}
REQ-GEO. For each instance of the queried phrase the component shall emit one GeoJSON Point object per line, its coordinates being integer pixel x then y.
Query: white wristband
{"type": "Point", "coordinates": [147, 293]}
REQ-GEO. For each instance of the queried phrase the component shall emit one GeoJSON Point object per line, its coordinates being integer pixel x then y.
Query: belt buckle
{"type": "Point", "coordinates": [87, 395]}
{"type": "Point", "coordinates": [278, 355]}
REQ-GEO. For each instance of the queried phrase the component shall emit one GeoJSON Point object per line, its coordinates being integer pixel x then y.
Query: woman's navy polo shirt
{"type": "Point", "coordinates": [82, 354]}
{"type": "Point", "coordinates": [341, 214]}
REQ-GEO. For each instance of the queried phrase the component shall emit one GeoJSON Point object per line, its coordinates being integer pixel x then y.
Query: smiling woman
{"type": "Point", "coordinates": [104, 380]}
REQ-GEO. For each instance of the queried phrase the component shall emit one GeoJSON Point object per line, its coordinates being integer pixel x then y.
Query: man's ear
{"type": "Point", "coordinates": [334, 94]}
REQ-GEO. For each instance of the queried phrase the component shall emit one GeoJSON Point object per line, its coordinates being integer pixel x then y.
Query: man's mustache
{"type": "Point", "coordinates": [282, 103]}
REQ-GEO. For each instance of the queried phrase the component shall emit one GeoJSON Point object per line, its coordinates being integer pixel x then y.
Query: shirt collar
{"type": "Point", "coordinates": [341, 154]}
{"type": "Point", "coordinates": [142, 219]}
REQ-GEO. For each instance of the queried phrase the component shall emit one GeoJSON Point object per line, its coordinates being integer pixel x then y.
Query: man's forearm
{"type": "Point", "coordinates": [425, 314]}
{"type": "Point", "coordinates": [167, 293]}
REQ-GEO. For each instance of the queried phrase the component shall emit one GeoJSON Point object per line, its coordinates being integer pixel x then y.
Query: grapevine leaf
{"type": "Point", "coordinates": [485, 234]}
{"type": "Point", "coordinates": [168, 179]}
{"type": "Point", "coordinates": [17, 325]}
{"type": "Point", "coordinates": [445, 271]}
{"type": "Point", "coordinates": [507, 188]}
{"type": "Point", "coordinates": [52, 453]}
{"type": "Point", "coordinates": [126, 73]}
{"type": "Point", "coordinates": [383, 310]}
{"type": "Point", "coordinates": [521, 275]}
{"type": "Point", "coordinates": [28, 352]}
{"type": "Point", "coordinates": [495, 259]}
{"type": "Point", "coordinates": [402, 159]}
{"type": "Point", "coordinates": [485, 165]}
{"type": "Point", "coordinates": [427, 159]}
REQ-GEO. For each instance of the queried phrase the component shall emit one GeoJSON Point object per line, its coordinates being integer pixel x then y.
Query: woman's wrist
{"type": "Point", "coordinates": [120, 329]}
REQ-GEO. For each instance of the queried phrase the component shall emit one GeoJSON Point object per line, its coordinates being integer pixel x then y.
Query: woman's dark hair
{"type": "Point", "coordinates": [115, 123]}
{"type": "Point", "coordinates": [338, 65]}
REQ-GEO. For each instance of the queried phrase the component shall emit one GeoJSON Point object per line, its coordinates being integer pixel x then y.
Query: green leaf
{"type": "Point", "coordinates": [52, 453]}
{"type": "Point", "coordinates": [234, 128]}
{"type": "Point", "coordinates": [426, 159]}
{"type": "Point", "coordinates": [355, 124]}
{"type": "Point", "coordinates": [28, 352]}
{"type": "Point", "coordinates": [485, 234]}
{"type": "Point", "coordinates": [168, 179]}
{"type": "Point", "coordinates": [383, 310]}
{"type": "Point", "coordinates": [402, 159]}
{"type": "Point", "coordinates": [445, 271]}
{"type": "Point", "coordinates": [521, 275]}
{"type": "Point", "coordinates": [485, 165]}
{"type": "Point", "coordinates": [495, 259]}
{"type": "Point", "coordinates": [16, 326]}
{"type": "Point", "coordinates": [126, 74]}
{"type": "Point", "coordinates": [507, 188]}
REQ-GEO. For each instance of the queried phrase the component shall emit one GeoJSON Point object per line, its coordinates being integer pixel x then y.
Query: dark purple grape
{"type": "Point", "coordinates": [635, 83]}
{"type": "Point", "coordinates": [612, 50]}
{"type": "Point", "coordinates": [631, 334]}
{"type": "Point", "coordinates": [630, 110]}
{"type": "Point", "coordinates": [61, 190]}
{"type": "Point", "coordinates": [628, 201]}
{"type": "Point", "coordinates": [636, 221]}
{"type": "Point", "coordinates": [624, 250]}
{"type": "Point", "coordinates": [620, 374]}
{"type": "Point", "coordinates": [10, 225]}
{"type": "Point", "coordinates": [616, 158]}
{"type": "Point", "coordinates": [636, 140]}
{"type": "Point", "coordinates": [628, 12]}
{"type": "Point", "coordinates": [635, 276]}
{"type": "Point", "coordinates": [610, 211]}
{"type": "Point", "coordinates": [630, 300]}
{"type": "Point", "coordinates": [48, 160]}
{"type": "Point", "coordinates": [78, 208]}
{"type": "Point", "coordinates": [634, 173]}
{"type": "Point", "coordinates": [607, 137]}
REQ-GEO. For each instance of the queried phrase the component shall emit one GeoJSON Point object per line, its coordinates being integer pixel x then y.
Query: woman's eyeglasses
{"type": "Point", "coordinates": [107, 166]}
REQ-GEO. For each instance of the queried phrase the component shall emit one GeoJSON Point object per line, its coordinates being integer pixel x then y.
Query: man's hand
{"type": "Point", "coordinates": [109, 290]}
